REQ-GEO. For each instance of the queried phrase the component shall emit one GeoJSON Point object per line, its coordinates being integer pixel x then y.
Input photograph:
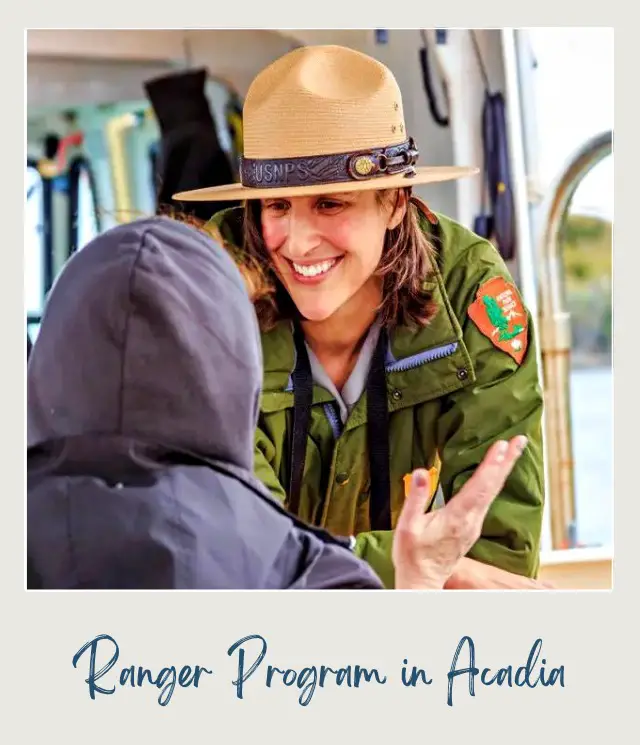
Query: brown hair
{"type": "Point", "coordinates": [407, 260]}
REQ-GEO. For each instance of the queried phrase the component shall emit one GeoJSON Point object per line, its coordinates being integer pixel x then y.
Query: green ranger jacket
{"type": "Point", "coordinates": [453, 391]}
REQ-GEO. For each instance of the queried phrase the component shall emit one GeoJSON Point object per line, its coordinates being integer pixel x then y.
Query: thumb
{"type": "Point", "coordinates": [417, 497]}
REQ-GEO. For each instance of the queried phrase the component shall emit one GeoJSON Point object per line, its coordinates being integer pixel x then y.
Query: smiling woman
{"type": "Point", "coordinates": [376, 333]}
{"type": "Point", "coordinates": [347, 247]}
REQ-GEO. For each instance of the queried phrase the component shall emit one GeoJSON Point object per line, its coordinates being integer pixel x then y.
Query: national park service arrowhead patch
{"type": "Point", "coordinates": [500, 315]}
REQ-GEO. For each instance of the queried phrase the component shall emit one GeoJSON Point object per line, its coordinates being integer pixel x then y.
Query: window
{"type": "Point", "coordinates": [84, 222]}
{"type": "Point", "coordinates": [586, 250]}
{"type": "Point", "coordinates": [34, 281]}
{"type": "Point", "coordinates": [566, 120]}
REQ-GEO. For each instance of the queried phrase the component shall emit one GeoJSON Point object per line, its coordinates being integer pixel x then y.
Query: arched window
{"type": "Point", "coordinates": [574, 166]}
{"type": "Point", "coordinates": [586, 252]}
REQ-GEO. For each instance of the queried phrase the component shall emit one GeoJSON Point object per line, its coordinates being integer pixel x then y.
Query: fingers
{"type": "Point", "coordinates": [483, 487]}
{"type": "Point", "coordinates": [417, 499]}
{"type": "Point", "coordinates": [427, 547]}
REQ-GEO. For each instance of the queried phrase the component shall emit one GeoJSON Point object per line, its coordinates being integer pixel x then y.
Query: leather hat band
{"type": "Point", "coordinates": [329, 169]}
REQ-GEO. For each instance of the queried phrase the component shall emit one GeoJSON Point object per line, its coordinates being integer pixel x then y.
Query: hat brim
{"type": "Point", "coordinates": [426, 175]}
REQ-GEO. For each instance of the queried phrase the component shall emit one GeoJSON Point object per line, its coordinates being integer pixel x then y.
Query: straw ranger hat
{"type": "Point", "coordinates": [319, 117]}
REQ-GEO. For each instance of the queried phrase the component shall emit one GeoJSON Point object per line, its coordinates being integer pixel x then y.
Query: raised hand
{"type": "Point", "coordinates": [428, 546]}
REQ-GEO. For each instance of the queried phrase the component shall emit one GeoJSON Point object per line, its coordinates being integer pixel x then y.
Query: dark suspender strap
{"type": "Point", "coordinates": [378, 438]}
{"type": "Point", "coordinates": [302, 400]}
{"type": "Point", "coordinates": [377, 430]}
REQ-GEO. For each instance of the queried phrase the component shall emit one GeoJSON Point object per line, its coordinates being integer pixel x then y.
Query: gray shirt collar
{"type": "Point", "coordinates": [355, 385]}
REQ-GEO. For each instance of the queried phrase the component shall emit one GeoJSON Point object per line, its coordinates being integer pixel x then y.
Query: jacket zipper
{"type": "Point", "coordinates": [409, 363]}
{"type": "Point", "coordinates": [334, 419]}
{"type": "Point", "coordinates": [422, 358]}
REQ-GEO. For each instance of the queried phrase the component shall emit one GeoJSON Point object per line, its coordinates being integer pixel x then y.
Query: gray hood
{"type": "Point", "coordinates": [150, 334]}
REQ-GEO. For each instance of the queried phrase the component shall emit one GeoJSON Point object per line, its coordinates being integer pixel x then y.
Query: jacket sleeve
{"type": "Point", "coordinates": [308, 563]}
{"type": "Point", "coordinates": [504, 401]}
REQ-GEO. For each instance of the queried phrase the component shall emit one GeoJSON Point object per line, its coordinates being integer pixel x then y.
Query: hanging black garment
{"type": "Point", "coordinates": [498, 173]}
{"type": "Point", "coordinates": [497, 220]}
{"type": "Point", "coordinates": [190, 155]}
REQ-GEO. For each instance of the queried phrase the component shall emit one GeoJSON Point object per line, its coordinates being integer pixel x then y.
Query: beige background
{"type": "Point", "coordinates": [46, 700]}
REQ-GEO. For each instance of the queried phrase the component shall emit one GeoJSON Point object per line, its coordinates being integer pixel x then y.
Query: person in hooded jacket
{"type": "Point", "coordinates": [143, 397]}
